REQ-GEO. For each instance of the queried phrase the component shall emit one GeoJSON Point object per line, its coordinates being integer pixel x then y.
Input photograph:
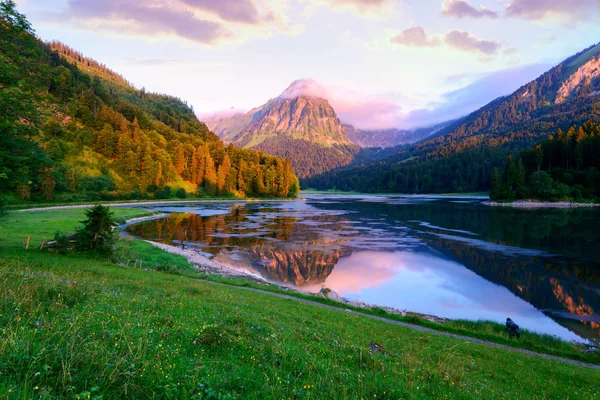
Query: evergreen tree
{"type": "Point", "coordinates": [496, 186]}
{"type": "Point", "coordinates": [179, 160]}
{"type": "Point", "coordinates": [210, 177]}
{"type": "Point", "coordinates": [98, 233]}
{"type": "Point", "coordinates": [223, 171]}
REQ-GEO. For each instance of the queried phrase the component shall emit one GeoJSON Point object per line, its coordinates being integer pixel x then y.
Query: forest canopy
{"type": "Point", "coordinates": [566, 166]}
{"type": "Point", "coordinates": [73, 129]}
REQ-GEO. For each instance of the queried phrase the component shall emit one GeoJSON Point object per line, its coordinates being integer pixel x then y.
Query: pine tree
{"type": "Point", "coordinates": [223, 171]}
{"type": "Point", "coordinates": [511, 174]}
{"type": "Point", "coordinates": [136, 131]}
{"type": "Point", "coordinates": [179, 160]}
{"type": "Point", "coordinates": [520, 178]}
{"type": "Point", "coordinates": [210, 176]}
{"type": "Point", "coordinates": [159, 175]}
{"type": "Point", "coordinates": [539, 156]}
{"type": "Point", "coordinates": [194, 168]}
{"type": "Point", "coordinates": [496, 185]}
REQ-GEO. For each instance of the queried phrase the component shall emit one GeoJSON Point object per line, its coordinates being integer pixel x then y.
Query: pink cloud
{"type": "Point", "coordinates": [460, 40]}
{"type": "Point", "coordinates": [157, 18]}
{"type": "Point", "coordinates": [539, 9]}
{"type": "Point", "coordinates": [415, 37]}
{"type": "Point", "coordinates": [358, 3]}
{"type": "Point", "coordinates": [462, 9]}
{"type": "Point", "coordinates": [244, 11]}
{"type": "Point", "coordinates": [464, 41]}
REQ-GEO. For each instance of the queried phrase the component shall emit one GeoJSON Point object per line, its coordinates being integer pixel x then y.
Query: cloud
{"type": "Point", "coordinates": [466, 42]}
{"type": "Point", "coordinates": [200, 21]}
{"type": "Point", "coordinates": [244, 11]}
{"type": "Point", "coordinates": [364, 8]}
{"type": "Point", "coordinates": [460, 40]}
{"type": "Point", "coordinates": [462, 9]}
{"type": "Point", "coordinates": [540, 9]}
{"type": "Point", "coordinates": [415, 37]}
{"type": "Point", "coordinates": [145, 18]}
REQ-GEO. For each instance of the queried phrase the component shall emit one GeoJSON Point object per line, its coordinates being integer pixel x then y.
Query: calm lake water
{"type": "Point", "coordinates": [450, 257]}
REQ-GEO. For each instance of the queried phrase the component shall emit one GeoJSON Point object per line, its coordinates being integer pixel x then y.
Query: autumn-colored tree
{"type": "Point", "coordinates": [241, 183]}
{"type": "Point", "coordinates": [47, 185]}
{"type": "Point", "coordinates": [201, 153]}
{"type": "Point", "coordinates": [222, 173]}
{"type": "Point", "coordinates": [194, 168]}
{"type": "Point", "coordinates": [159, 175]}
{"type": "Point", "coordinates": [210, 176]}
{"type": "Point", "coordinates": [179, 160]}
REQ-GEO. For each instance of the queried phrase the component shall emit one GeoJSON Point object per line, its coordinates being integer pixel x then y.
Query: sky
{"type": "Point", "coordinates": [383, 63]}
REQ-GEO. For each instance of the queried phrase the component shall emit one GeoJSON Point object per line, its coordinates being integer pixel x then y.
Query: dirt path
{"type": "Point", "coordinates": [415, 327]}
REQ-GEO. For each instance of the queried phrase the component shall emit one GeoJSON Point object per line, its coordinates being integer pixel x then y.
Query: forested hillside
{"type": "Point", "coordinates": [461, 156]}
{"type": "Point", "coordinates": [73, 129]}
{"type": "Point", "coordinates": [564, 166]}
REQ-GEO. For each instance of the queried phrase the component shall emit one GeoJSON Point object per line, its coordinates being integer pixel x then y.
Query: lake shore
{"type": "Point", "coordinates": [204, 265]}
{"type": "Point", "coordinates": [539, 204]}
{"type": "Point", "coordinates": [144, 203]}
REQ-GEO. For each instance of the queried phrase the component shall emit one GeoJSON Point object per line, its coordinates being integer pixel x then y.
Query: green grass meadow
{"type": "Point", "coordinates": [77, 326]}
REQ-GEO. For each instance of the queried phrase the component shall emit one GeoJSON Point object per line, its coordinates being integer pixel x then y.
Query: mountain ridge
{"type": "Point", "coordinates": [298, 124]}
{"type": "Point", "coordinates": [460, 156]}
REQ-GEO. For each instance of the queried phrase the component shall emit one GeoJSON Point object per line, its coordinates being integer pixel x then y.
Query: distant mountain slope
{"type": "Point", "coordinates": [385, 138]}
{"type": "Point", "coordinates": [72, 129]}
{"type": "Point", "coordinates": [297, 124]}
{"type": "Point", "coordinates": [460, 157]}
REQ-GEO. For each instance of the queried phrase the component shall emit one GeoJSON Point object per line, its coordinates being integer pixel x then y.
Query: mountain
{"type": "Point", "coordinates": [385, 138]}
{"type": "Point", "coordinates": [460, 157]}
{"type": "Point", "coordinates": [74, 130]}
{"type": "Point", "coordinates": [299, 124]}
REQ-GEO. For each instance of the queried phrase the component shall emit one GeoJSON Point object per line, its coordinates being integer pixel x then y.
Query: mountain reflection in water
{"type": "Point", "coordinates": [448, 257]}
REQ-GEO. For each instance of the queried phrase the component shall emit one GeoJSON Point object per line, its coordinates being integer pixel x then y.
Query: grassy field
{"type": "Point", "coordinates": [73, 326]}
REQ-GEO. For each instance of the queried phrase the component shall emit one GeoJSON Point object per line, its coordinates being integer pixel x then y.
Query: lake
{"type": "Point", "coordinates": [450, 257]}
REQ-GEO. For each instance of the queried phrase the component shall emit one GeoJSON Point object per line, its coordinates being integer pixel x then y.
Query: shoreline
{"type": "Point", "coordinates": [532, 204]}
{"type": "Point", "coordinates": [149, 202]}
{"type": "Point", "coordinates": [204, 265]}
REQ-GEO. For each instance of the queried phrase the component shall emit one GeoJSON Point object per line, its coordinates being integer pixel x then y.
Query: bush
{"type": "Point", "coordinates": [97, 184]}
{"type": "Point", "coordinates": [541, 184]}
{"type": "Point", "coordinates": [163, 193]}
{"type": "Point", "coordinates": [3, 209]}
{"type": "Point", "coordinates": [61, 244]}
{"type": "Point", "coordinates": [98, 233]}
{"type": "Point", "coordinates": [181, 193]}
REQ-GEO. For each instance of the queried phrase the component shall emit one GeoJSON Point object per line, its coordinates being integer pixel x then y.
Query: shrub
{"type": "Point", "coordinates": [181, 193]}
{"type": "Point", "coordinates": [97, 183]}
{"type": "Point", "coordinates": [3, 208]}
{"type": "Point", "coordinates": [163, 193]}
{"type": "Point", "coordinates": [98, 233]}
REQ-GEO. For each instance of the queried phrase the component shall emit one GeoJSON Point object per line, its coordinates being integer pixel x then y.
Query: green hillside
{"type": "Point", "coordinates": [73, 129]}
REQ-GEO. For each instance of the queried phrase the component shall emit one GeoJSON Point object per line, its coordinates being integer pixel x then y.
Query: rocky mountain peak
{"type": "Point", "coordinates": [305, 87]}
